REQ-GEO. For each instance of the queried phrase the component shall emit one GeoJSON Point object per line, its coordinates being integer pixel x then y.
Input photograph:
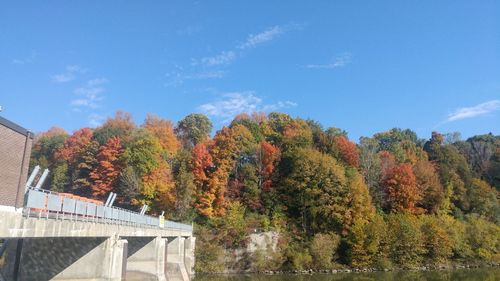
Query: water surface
{"type": "Point", "coordinates": [488, 274]}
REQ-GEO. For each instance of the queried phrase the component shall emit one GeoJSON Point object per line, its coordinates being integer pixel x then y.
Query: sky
{"type": "Point", "coordinates": [363, 66]}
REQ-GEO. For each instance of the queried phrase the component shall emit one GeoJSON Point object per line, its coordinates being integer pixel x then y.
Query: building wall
{"type": "Point", "coordinates": [15, 151]}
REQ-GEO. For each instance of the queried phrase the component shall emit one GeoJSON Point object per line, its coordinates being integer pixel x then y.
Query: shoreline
{"type": "Point", "coordinates": [424, 268]}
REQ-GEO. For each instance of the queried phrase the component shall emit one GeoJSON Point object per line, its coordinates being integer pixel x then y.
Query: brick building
{"type": "Point", "coordinates": [15, 151]}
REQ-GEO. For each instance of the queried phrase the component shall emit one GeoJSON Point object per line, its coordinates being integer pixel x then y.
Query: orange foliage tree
{"type": "Point", "coordinates": [158, 188]}
{"type": "Point", "coordinates": [108, 168]}
{"type": "Point", "coordinates": [267, 155]}
{"type": "Point", "coordinates": [400, 186]}
{"type": "Point", "coordinates": [164, 131]}
{"type": "Point", "coordinates": [429, 184]}
{"type": "Point", "coordinates": [348, 151]}
{"type": "Point", "coordinates": [75, 144]}
{"type": "Point", "coordinates": [200, 165]}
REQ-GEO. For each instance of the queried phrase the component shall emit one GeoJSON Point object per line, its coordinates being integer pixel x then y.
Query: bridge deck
{"type": "Point", "coordinates": [17, 225]}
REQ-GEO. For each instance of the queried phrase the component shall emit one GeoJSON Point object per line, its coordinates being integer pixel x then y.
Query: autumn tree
{"type": "Point", "coordinates": [360, 207]}
{"type": "Point", "coordinates": [267, 156]}
{"type": "Point", "coordinates": [226, 146]}
{"type": "Point", "coordinates": [323, 249]}
{"type": "Point", "coordinates": [314, 188]}
{"type": "Point", "coordinates": [163, 130]}
{"type": "Point", "coordinates": [370, 166]}
{"type": "Point", "coordinates": [484, 200]}
{"type": "Point", "coordinates": [401, 191]}
{"type": "Point", "coordinates": [107, 170]}
{"type": "Point", "coordinates": [128, 187]}
{"type": "Point", "coordinates": [347, 151]}
{"type": "Point", "coordinates": [365, 242]}
{"type": "Point", "coordinates": [430, 187]}
{"type": "Point", "coordinates": [394, 136]}
{"type": "Point", "coordinates": [193, 129]}
{"type": "Point", "coordinates": [142, 152]}
{"type": "Point", "coordinates": [185, 187]}
{"type": "Point", "coordinates": [201, 166]}
{"type": "Point", "coordinates": [43, 153]}
{"type": "Point", "coordinates": [437, 242]}
{"type": "Point", "coordinates": [405, 240]}
{"type": "Point", "coordinates": [45, 146]}
{"type": "Point", "coordinates": [75, 144]}
{"type": "Point", "coordinates": [494, 169]}
{"type": "Point", "coordinates": [158, 189]}
{"type": "Point", "coordinates": [454, 172]}
{"type": "Point", "coordinates": [120, 126]}
{"type": "Point", "coordinates": [79, 151]}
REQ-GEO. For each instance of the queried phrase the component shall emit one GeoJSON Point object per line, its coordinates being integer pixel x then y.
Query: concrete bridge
{"type": "Point", "coordinates": [42, 244]}
{"type": "Point", "coordinates": [55, 236]}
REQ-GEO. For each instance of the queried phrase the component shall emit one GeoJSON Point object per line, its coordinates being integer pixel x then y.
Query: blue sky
{"type": "Point", "coordinates": [364, 66]}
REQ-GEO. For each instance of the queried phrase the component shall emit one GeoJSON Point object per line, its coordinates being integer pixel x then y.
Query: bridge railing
{"type": "Point", "coordinates": [40, 202]}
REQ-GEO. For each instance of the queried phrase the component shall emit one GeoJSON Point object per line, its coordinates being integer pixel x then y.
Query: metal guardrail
{"type": "Point", "coordinates": [54, 205]}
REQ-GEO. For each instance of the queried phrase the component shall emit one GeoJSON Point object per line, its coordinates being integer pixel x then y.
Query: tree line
{"type": "Point", "coordinates": [393, 199]}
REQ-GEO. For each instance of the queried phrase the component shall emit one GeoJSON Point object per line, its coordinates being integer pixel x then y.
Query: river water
{"type": "Point", "coordinates": [487, 274]}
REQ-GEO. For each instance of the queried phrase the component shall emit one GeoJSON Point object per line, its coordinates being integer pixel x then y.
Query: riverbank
{"type": "Point", "coordinates": [465, 274]}
{"type": "Point", "coordinates": [365, 270]}
{"type": "Point", "coordinates": [345, 269]}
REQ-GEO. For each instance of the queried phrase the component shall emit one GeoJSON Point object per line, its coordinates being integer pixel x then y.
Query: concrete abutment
{"type": "Point", "coordinates": [97, 258]}
{"type": "Point", "coordinates": [38, 259]}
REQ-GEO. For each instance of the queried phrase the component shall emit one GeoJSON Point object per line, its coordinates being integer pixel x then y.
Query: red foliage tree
{"type": "Point", "coordinates": [401, 191]}
{"type": "Point", "coordinates": [200, 164]}
{"type": "Point", "coordinates": [347, 150]}
{"type": "Point", "coordinates": [267, 156]}
{"type": "Point", "coordinates": [75, 144]}
{"type": "Point", "coordinates": [108, 168]}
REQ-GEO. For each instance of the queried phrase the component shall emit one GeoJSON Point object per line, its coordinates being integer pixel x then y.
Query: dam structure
{"type": "Point", "coordinates": [46, 235]}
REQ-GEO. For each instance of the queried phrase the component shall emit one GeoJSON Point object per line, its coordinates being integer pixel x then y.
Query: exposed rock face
{"type": "Point", "coordinates": [262, 241]}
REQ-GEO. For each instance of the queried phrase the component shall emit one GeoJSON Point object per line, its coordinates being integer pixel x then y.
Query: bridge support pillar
{"type": "Point", "coordinates": [41, 259]}
{"type": "Point", "coordinates": [176, 269]}
{"type": "Point", "coordinates": [147, 255]}
{"type": "Point", "coordinates": [189, 260]}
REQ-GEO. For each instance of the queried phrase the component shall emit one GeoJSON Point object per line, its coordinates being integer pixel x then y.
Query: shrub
{"type": "Point", "coordinates": [437, 240]}
{"type": "Point", "coordinates": [365, 243]}
{"type": "Point", "coordinates": [232, 226]}
{"type": "Point", "coordinates": [457, 232]}
{"type": "Point", "coordinates": [484, 239]}
{"type": "Point", "coordinates": [323, 248]}
{"type": "Point", "coordinates": [209, 257]}
{"type": "Point", "coordinates": [405, 239]}
{"type": "Point", "coordinates": [298, 257]}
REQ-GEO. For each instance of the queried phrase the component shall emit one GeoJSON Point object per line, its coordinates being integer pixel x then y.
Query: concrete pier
{"type": "Point", "coordinates": [148, 255]}
{"type": "Point", "coordinates": [176, 269]}
{"type": "Point", "coordinates": [189, 260]}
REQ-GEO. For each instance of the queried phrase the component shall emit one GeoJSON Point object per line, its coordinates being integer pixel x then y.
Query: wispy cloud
{"type": "Point", "coordinates": [474, 111]}
{"type": "Point", "coordinates": [231, 104]}
{"type": "Point", "coordinates": [69, 74]}
{"type": "Point", "coordinates": [95, 120]}
{"type": "Point", "coordinates": [252, 41]}
{"type": "Point", "coordinates": [26, 60]}
{"type": "Point", "coordinates": [218, 62]}
{"type": "Point", "coordinates": [225, 57]}
{"type": "Point", "coordinates": [178, 77]}
{"type": "Point", "coordinates": [269, 34]}
{"type": "Point", "coordinates": [338, 61]}
{"type": "Point", "coordinates": [89, 95]}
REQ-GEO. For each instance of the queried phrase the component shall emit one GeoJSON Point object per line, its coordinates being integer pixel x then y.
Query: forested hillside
{"type": "Point", "coordinates": [391, 200]}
